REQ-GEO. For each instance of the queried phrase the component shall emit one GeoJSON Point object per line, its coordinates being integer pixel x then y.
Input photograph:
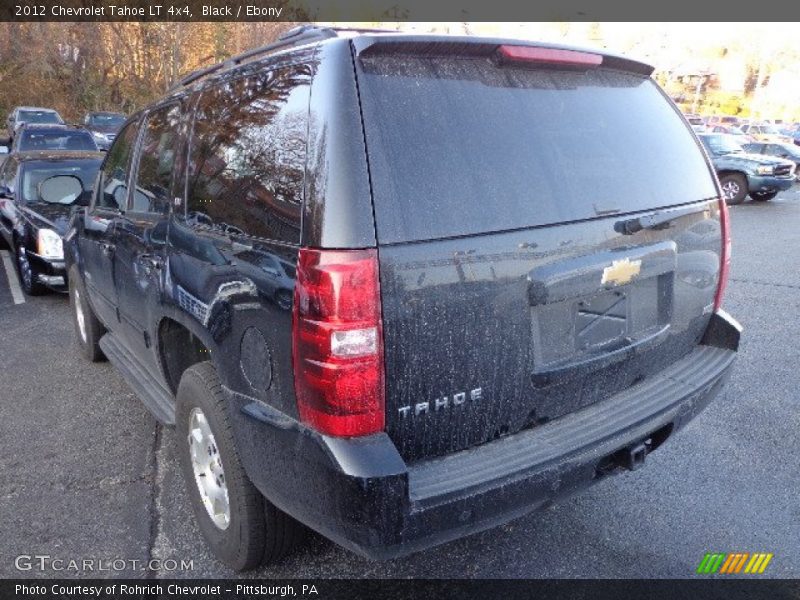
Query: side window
{"type": "Point", "coordinates": [247, 160]}
{"type": "Point", "coordinates": [160, 143]}
{"type": "Point", "coordinates": [112, 183]}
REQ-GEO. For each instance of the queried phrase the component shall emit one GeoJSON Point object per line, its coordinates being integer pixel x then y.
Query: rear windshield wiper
{"type": "Point", "coordinates": [656, 221]}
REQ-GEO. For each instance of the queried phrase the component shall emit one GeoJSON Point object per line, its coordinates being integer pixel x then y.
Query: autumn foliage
{"type": "Point", "coordinates": [80, 67]}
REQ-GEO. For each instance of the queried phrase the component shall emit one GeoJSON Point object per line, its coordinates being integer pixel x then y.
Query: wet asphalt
{"type": "Point", "coordinates": [87, 474]}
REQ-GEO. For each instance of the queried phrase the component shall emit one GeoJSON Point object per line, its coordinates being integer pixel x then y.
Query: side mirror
{"type": "Point", "coordinates": [60, 189]}
{"type": "Point", "coordinates": [5, 191]}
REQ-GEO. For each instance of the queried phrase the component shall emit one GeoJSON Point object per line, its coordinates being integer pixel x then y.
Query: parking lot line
{"type": "Point", "coordinates": [13, 282]}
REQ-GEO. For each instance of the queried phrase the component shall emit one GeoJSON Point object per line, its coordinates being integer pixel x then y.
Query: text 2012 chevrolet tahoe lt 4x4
{"type": "Point", "coordinates": [405, 288]}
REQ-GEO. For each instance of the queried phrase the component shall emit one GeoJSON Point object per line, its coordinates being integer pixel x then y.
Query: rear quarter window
{"type": "Point", "coordinates": [248, 152]}
{"type": "Point", "coordinates": [463, 146]}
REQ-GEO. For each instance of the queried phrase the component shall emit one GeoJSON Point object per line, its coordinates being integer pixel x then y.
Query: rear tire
{"type": "Point", "coordinates": [88, 328]}
{"type": "Point", "coordinates": [763, 196]}
{"type": "Point", "coordinates": [242, 528]}
{"type": "Point", "coordinates": [734, 188]}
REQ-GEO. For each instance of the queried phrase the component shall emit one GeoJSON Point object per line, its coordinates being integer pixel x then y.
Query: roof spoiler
{"type": "Point", "coordinates": [375, 45]}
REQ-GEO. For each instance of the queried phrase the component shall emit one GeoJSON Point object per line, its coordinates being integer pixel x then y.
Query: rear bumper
{"type": "Point", "coordinates": [361, 494]}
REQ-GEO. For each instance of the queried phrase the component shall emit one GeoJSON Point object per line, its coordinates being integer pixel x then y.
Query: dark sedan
{"type": "Point", "coordinates": [787, 151]}
{"type": "Point", "coordinates": [104, 127]}
{"type": "Point", "coordinates": [37, 192]}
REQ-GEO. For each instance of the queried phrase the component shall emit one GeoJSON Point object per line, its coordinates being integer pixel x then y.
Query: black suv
{"type": "Point", "coordinates": [38, 191]}
{"type": "Point", "coordinates": [504, 283]}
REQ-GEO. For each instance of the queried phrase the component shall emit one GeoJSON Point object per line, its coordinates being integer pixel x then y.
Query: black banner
{"type": "Point", "coordinates": [335, 589]}
{"type": "Point", "coordinates": [389, 10]}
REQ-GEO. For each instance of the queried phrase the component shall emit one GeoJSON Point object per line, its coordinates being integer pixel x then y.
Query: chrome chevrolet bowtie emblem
{"type": "Point", "coordinates": [621, 271]}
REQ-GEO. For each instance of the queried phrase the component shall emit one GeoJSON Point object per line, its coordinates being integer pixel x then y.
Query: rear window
{"type": "Point", "coordinates": [38, 116]}
{"type": "Point", "coordinates": [56, 140]}
{"type": "Point", "coordinates": [462, 146]}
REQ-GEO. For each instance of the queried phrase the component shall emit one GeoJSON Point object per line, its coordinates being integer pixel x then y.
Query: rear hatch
{"type": "Point", "coordinates": [548, 235]}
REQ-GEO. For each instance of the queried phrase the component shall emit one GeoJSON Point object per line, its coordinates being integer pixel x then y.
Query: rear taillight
{"type": "Point", "coordinates": [725, 255]}
{"type": "Point", "coordinates": [554, 56]}
{"type": "Point", "coordinates": [338, 342]}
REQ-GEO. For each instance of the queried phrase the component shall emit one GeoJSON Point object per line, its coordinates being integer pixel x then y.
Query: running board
{"type": "Point", "coordinates": [157, 398]}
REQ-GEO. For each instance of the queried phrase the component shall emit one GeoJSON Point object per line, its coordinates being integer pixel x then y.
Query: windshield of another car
{"type": "Point", "coordinates": [720, 144]}
{"type": "Point", "coordinates": [787, 149]}
{"type": "Point", "coordinates": [106, 121]}
{"type": "Point", "coordinates": [38, 116]}
{"type": "Point", "coordinates": [730, 129]}
{"type": "Point", "coordinates": [34, 172]}
{"type": "Point", "coordinates": [55, 139]}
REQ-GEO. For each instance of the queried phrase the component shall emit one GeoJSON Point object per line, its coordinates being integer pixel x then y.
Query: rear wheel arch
{"type": "Point", "coordinates": [727, 172]}
{"type": "Point", "coordinates": [180, 346]}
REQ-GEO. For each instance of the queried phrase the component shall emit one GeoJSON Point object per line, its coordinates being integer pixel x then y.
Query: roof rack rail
{"type": "Point", "coordinates": [298, 35]}
{"type": "Point", "coordinates": [362, 30]}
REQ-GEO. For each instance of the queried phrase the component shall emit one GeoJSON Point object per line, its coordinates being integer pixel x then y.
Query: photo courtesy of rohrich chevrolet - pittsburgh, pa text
{"type": "Point", "coordinates": [398, 299]}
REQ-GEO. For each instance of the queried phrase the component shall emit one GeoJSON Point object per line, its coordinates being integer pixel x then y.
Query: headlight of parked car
{"type": "Point", "coordinates": [765, 170]}
{"type": "Point", "coordinates": [100, 137]}
{"type": "Point", "coordinates": [49, 244]}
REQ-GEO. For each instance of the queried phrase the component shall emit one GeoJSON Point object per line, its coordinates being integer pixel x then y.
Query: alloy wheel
{"type": "Point", "coordinates": [209, 475]}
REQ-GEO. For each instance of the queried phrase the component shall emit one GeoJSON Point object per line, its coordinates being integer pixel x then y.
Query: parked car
{"type": "Point", "coordinates": [787, 151]}
{"type": "Point", "coordinates": [794, 133]}
{"type": "Point", "coordinates": [741, 173]}
{"type": "Point", "coordinates": [765, 133]}
{"type": "Point", "coordinates": [472, 334]}
{"type": "Point", "coordinates": [740, 136]}
{"type": "Point", "coordinates": [104, 126]}
{"type": "Point", "coordinates": [52, 137]}
{"type": "Point", "coordinates": [29, 114]}
{"type": "Point", "coordinates": [37, 193]}
{"type": "Point", "coordinates": [728, 120]}
{"type": "Point", "coordinates": [696, 121]}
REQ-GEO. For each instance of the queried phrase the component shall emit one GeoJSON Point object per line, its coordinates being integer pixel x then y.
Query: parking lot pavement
{"type": "Point", "coordinates": [86, 473]}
